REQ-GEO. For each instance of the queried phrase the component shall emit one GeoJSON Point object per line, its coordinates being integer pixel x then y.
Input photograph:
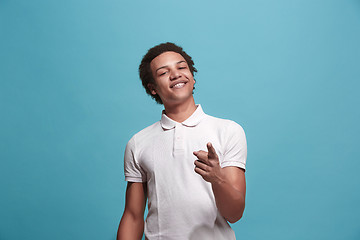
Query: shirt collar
{"type": "Point", "coordinates": [192, 121]}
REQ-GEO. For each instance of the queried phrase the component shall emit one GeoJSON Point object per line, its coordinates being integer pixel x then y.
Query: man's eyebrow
{"type": "Point", "coordinates": [167, 65]}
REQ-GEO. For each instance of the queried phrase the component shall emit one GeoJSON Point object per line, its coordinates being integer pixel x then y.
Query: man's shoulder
{"type": "Point", "coordinates": [147, 132]}
{"type": "Point", "coordinates": [223, 123]}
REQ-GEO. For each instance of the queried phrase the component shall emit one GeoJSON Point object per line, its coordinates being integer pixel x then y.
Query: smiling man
{"type": "Point", "coordinates": [189, 166]}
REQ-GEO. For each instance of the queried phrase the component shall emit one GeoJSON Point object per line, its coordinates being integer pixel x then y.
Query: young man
{"type": "Point", "coordinates": [189, 165]}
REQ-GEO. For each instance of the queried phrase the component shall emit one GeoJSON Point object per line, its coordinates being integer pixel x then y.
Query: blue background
{"type": "Point", "coordinates": [70, 99]}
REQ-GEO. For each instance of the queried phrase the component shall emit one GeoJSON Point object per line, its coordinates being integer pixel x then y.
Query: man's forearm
{"type": "Point", "coordinates": [229, 200]}
{"type": "Point", "coordinates": [130, 228]}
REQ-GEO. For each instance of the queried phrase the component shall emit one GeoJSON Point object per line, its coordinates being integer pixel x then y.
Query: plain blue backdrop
{"type": "Point", "coordinates": [71, 98]}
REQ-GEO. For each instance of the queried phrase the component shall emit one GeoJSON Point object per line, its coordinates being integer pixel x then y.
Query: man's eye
{"type": "Point", "coordinates": [162, 73]}
{"type": "Point", "coordinates": [182, 67]}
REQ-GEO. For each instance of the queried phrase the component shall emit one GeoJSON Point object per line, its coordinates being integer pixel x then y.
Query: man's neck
{"type": "Point", "coordinates": [180, 112]}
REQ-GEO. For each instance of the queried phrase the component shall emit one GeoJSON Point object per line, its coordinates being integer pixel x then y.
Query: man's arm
{"type": "Point", "coordinates": [228, 184]}
{"type": "Point", "coordinates": [131, 226]}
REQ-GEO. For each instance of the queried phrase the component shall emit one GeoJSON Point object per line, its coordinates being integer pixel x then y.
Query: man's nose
{"type": "Point", "coordinates": [175, 74]}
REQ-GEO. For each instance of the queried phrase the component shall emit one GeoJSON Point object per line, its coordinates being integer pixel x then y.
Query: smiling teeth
{"type": "Point", "coordinates": [179, 85]}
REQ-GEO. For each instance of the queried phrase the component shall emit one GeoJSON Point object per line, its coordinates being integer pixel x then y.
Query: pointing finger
{"type": "Point", "coordinates": [212, 153]}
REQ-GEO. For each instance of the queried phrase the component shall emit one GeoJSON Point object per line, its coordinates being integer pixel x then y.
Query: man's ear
{"type": "Point", "coordinates": [151, 87]}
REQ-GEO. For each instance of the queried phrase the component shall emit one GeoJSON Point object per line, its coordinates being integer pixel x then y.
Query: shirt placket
{"type": "Point", "coordinates": [178, 139]}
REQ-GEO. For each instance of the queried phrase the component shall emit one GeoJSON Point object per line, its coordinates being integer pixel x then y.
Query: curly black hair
{"type": "Point", "coordinates": [145, 70]}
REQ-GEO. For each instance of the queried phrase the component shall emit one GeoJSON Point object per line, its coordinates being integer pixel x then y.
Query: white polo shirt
{"type": "Point", "coordinates": [181, 205]}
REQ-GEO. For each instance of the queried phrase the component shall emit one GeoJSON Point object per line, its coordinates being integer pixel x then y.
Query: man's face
{"type": "Point", "coordinates": [174, 82]}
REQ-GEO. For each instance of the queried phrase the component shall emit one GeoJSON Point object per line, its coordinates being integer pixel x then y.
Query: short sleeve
{"type": "Point", "coordinates": [132, 170]}
{"type": "Point", "coordinates": [235, 150]}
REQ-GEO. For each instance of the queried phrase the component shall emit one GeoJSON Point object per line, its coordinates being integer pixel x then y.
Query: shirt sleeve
{"type": "Point", "coordinates": [132, 169]}
{"type": "Point", "coordinates": [235, 152]}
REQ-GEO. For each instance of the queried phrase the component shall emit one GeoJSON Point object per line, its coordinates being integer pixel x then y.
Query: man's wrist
{"type": "Point", "coordinates": [219, 180]}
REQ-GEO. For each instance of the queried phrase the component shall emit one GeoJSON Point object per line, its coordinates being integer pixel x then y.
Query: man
{"type": "Point", "coordinates": [189, 165]}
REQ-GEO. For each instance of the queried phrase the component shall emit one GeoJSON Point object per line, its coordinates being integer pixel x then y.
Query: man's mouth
{"type": "Point", "coordinates": [178, 85]}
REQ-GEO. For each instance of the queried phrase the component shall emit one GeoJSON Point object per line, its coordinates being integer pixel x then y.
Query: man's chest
{"type": "Point", "coordinates": [171, 151]}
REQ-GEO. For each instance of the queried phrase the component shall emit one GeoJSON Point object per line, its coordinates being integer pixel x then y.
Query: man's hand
{"type": "Point", "coordinates": [207, 165]}
{"type": "Point", "coordinates": [228, 184]}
